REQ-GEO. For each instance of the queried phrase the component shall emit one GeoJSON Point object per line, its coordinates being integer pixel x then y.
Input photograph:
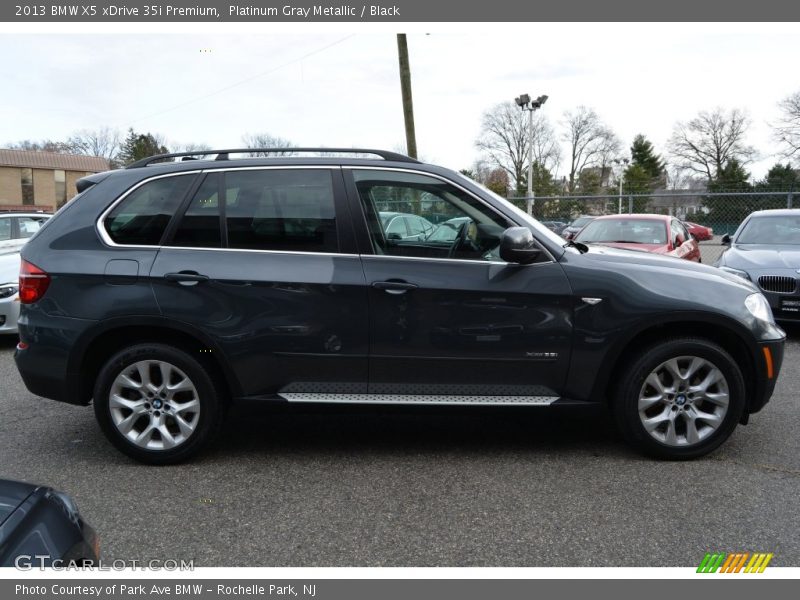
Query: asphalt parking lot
{"type": "Point", "coordinates": [424, 487]}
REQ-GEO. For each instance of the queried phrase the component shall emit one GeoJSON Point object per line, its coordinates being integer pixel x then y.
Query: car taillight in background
{"type": "Point", "coordinates": [33, 283]}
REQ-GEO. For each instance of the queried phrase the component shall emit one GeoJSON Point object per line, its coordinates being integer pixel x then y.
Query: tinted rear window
{"type": "Point", "coordinates": [276, 209]}
{"type": "Point", "coordinates": [143, 215]}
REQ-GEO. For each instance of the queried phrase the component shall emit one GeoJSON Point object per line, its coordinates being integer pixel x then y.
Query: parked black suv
{"type": "Point", "coordinates": [168, 289]}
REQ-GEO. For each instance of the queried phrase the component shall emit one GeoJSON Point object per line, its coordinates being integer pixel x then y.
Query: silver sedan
{"type": "Point", "coordinates": [9, 292]}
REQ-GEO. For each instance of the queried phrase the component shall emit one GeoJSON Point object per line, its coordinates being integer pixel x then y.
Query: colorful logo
{"type": "Point", "coordinates": [736, 562]}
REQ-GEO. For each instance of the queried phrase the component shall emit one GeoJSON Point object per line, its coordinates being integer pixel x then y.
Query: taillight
{"type": "Point", "coordinates": [33, 283]}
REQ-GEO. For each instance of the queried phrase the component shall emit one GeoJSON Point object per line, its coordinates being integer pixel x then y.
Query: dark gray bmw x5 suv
{"type": "Point", "coordinates": [168, 289]}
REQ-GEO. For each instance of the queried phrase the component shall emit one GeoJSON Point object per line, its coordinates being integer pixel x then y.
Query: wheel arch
{"type": "Point", "coordinates": [726, 334]}
{"type": "Point", "coordinates": [102, 341]}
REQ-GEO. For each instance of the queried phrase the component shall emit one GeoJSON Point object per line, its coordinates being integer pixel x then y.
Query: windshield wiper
{"type": "Point", "coordinates": [580, 247]}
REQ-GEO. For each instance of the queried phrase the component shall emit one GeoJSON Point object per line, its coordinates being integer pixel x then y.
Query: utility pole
{"type": "Point", "coordinates": [405, 86]}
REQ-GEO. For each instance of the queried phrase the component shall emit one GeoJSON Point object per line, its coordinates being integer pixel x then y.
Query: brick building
{"type": "Point", "coordinates": [42, 180]}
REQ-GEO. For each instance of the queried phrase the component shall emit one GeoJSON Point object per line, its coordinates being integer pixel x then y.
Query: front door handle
{"type": "Point", "coordinates": [186, 277]}
{"type": "Point", "coordinates": [394, 287]}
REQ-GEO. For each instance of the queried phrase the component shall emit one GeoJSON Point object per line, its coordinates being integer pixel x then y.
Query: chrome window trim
{"type": "Point", "coordinates": [106, 238]}
{"type": "Point", "coordinates": [463, 189]}
{"type": "Point", "coordinates": [290, 252]}
{"type": "Point", "coordinates": [471, 261]}
{"type": "Point", "coordinates": [100, 227]}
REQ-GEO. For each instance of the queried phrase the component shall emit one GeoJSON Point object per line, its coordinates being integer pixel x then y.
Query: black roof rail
{"type": "Point", "coordinates": [224, 154]}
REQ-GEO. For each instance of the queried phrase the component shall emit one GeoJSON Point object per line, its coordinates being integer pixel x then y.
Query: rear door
{"type": "Point", "coordinates": [449, 320]}
{"type": "Point", "coordinates": [262, 260]}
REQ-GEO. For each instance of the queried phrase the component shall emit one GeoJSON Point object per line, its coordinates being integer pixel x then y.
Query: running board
{"type": "Point", "coordinates": [418, 399]}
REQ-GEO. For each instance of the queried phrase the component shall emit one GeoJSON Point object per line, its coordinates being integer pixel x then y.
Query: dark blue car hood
{"type": "Point", "coordinates": [12, 494]}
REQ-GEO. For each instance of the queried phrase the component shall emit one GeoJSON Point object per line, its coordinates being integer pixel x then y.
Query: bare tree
{"type": "Point", "coordinates": [41, 146]}
{"type": "Point", "coordinates": [787, 129]}
{"type": "Point", "coordinates": [104, 142]}
{"type": "Point", "coordinates": [200, 148]}
{"type": "Point", "coordinates": [591, 143]}
{"type": "Point", "coordinates": [708, 142]}
{"type": "Point", "coordinates": [505, 139]}
{"type": "Point", "coordinates": [265, 140]}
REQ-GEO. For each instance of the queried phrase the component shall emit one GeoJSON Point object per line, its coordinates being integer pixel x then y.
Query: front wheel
{"type": "Point", "coordinates": [157, 404]}
{"type": "Point", "coordinates": [680, 399]}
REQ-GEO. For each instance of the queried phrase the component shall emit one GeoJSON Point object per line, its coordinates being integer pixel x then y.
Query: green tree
{"type": "Point", "coordinates": [645, 172]}
{"type": "Point", "coordinates": [727, 211]}
{"type": "Point", "coordinates": [732, 177]}
{"type": "Point", "coordinates": [643, 155]}
{"type": "Point", "coordinates": [140, 145]}
{"type": "Point", "coordinates": [780, 178]}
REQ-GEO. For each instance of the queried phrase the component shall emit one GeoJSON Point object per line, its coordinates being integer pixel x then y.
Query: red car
{"type": "Point", "coordinates": [660, 234]}
{"type": "Point", "coordinates": [700, 232]}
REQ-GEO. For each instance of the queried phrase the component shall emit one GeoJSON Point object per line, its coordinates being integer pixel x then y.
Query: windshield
{"type": "Point", "coordinates": [771, 230]}
{"type": "Point", "coordinates": [633, 231]}
{"type": "Point", "coordinates": [581, 221]}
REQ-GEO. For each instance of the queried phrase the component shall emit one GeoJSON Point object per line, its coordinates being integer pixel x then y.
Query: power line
{"type": "Point", "coordinates": [243, 81]}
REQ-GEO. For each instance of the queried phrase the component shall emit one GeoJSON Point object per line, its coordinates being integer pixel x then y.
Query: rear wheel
{"type": "Point", "coordinates": [680, 399]}
{"type": "Point", "coordinates": [157, 404]}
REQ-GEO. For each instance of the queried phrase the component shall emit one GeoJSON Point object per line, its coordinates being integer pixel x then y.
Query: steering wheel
{"type": "Point", "coordinates": [462, 237]}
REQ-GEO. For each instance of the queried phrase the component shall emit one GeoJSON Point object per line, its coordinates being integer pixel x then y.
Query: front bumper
{"type": "Point", "coordinates": [768, 364]}
{"type": "Point", "coordinates": [785, 307]}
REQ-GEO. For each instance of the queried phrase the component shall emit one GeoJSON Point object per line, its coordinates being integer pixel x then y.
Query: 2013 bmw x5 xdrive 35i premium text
{"type": "Point", "coordinates": [166, 290]}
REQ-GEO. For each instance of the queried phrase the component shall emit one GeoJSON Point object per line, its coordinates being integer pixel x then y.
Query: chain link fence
{"type": "Point", "coordinates": [721, 212]}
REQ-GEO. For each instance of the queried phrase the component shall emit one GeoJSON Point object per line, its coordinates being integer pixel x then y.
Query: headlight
{"type": "Point", "coordinates": [6, 291]}
{"type": "Point", "coordinates": [759, 307]}
{"type": "Point", "coordinates": [736, 272]}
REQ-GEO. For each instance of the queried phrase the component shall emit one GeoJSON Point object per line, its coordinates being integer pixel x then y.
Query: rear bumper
{"type": "Point", "coordinates": [43, 355]}
{"type": "Point", "coordinates": [768, 362]}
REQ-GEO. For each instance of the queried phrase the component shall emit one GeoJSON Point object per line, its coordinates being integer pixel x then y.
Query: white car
{"type": "Point", "coordinates": [9, 292]}
{"type": "Point", "coordinates": [16, 228]}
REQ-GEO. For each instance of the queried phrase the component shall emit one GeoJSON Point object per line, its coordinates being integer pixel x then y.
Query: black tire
{"type": "Point", "coordinates": [625, 400]}
{"type": "Point", "coordinates": [209, 417]}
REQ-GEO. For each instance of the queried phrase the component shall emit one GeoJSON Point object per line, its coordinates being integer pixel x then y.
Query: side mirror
{"type": "Point", "coordinates": [726, 240]}
{"type": "Point", "coordinates": [518, 246]}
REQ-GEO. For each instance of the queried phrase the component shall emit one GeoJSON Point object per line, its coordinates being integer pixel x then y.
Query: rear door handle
{"type": "Point", "coordinates": [186, 277]}
{"type": "Point", "coordinates": [394, 287]}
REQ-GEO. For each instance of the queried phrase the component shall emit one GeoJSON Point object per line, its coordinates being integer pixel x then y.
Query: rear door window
{"type": "Point", "coordinates": [141, 218]}
{"type": "Point", "coordinates": [281, 209]}
{"type": "Point", "coordinates": [200, 225]}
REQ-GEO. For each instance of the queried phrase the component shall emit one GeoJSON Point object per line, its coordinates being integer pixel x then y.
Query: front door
{"type": "Point", "coordinates": [449, 319]}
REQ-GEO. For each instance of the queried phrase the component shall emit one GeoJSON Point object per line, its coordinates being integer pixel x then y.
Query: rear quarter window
{"type": "Point", "coordinates": [142, 217]}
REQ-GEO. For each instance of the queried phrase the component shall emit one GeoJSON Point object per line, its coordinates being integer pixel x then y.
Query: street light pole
{"type": "Point", "coordinates": [525, 103]}
{"type": "Point", "coordinates": [623, 163]}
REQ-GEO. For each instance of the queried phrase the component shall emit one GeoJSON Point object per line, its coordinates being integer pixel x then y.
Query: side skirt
{"type": "Point", "coordinates": [418, 399]}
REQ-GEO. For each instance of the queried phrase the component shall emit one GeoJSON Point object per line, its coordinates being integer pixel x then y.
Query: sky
{"type": "Point", "coordinates": [334, 87]}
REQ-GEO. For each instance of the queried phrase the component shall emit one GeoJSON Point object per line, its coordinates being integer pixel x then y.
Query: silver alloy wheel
{"type": "Point", "coordinates": [154, 405]}
{"type": "Point", "coordinates": [683, 401]}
